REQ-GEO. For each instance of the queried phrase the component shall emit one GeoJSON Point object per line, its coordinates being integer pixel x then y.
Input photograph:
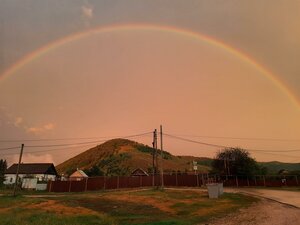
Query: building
{"type": "Point", "coordinates": [139, 172]}
{"type": "Point", "coordinates": [38, 171]}
{"type": "Point", "coordinates": [78, 175]}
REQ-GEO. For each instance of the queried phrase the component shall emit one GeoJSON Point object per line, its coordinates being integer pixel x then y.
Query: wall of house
{"type": "Point", "coordinates": [41, 187]}
{"type": "Point", "coordinates": [11, 178]}
{"type": "Point", "coordinates": [29, 183]}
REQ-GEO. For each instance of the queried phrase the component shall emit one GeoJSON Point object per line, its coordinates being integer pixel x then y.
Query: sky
{"type": "Point", "coordinates": [76, 73]}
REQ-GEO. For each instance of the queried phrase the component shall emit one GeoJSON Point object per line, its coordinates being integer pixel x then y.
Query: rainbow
{"type": "Point", "coordinates": [148, 27]}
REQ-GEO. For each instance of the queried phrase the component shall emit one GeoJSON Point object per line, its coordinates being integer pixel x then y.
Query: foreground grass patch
{"type": "Point", "coordinates": [147, 207]}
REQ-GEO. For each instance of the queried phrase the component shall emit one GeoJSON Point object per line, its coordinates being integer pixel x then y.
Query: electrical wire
{"type": "Point", "coordinates": [196, 142]}
{"type": "Point", "coordinates": [239, 138]}
{"type": "Point", "coordinates": [64, 139]}
{"type": "Point", "coordinates": [71, 144]}
{"type": "Point", "coordinates": [49, 150]}
{"type": "Point", "coordinates": [223, 146]}
{"type": "Point", "coordinates": [3, 149]}
{"type": "Point", "coordinates": [55, 139]}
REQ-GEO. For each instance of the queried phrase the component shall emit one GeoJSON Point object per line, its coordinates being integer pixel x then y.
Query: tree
{"type": "Point", "coordinates": [94, 171]}
{"type": "Point", "coordinates": [235, 161]}
{"type": "Point", "coordinates": [3, 167]}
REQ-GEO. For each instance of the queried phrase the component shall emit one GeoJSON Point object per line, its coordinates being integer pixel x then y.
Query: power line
{"type": "Point", "coordinates": [50, 150]}
{"type": "Point", "coordinates": [88, 142]}
{"type": "Point", "coordinates": [239, 138]}
{"type": "Point", "coordinates": [196, 142]}
{"type": "Point", "coordinates": [3, 149]}
{"type": "Point", "coordinates": [71, 144]}
{"type": "Point", "coordinates": [223, 146]}
{"type": "Point", "coordinates": [63, 139]}
{"type": "Point", "coordinates": [55, 139]}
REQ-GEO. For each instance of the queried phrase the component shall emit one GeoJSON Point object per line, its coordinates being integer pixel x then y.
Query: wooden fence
{"type": "Point", "coordinates": [175, 180]}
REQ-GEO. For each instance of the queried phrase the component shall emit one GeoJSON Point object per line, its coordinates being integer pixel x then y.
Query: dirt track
{"type": "Point", "coordinates": [265, 212]}
{"type": "Point", "coordinates": [283, 196]}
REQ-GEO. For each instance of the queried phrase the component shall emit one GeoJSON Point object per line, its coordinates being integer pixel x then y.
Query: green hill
{"type": "Point", "coordinates": [274, 167]}
{"type": "Point", "coordinates": [121, 156]}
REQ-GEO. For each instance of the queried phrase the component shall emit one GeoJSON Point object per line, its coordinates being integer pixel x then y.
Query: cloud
{"type": "Point", "coordinates": [31, 158]}
{"type": "Point", "coordinates": [87, 11]}
{"type": "Point", "coordinates": [87, 14]}
{"type": "Point", "coordinates": [18, 121]}
{"type": "Point", "coordinates": [41, 129]}
{"type": "Point", "coordinates": [49, 126]}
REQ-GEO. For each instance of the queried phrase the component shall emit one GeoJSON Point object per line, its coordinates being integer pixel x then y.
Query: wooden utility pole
{"type": "Point", "coordinates": [154, 143]}
{"type": "Point", "coordinates": [162, 157]}
{"type": "Point", "coordinates": [18, 168]}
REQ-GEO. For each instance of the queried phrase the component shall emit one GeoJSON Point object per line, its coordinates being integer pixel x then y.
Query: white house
{"type": "Point", "coordinates": [39, 171]}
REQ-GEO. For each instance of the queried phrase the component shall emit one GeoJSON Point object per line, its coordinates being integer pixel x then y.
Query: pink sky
{"type": "Point", "coordinates": [128, 82]}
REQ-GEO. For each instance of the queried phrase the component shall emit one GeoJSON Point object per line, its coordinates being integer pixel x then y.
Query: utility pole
{"type": "Point", "coordinates": [154, 156]}
{"type": "Point", "coordinates": [18, 168]}
{"type": "Point", "coordinates": [161, 153]}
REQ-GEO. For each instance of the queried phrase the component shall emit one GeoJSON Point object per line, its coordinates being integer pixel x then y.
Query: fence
{"type": "Point", "coordinates": [265, 181]}
{"type": "Point", "coordinates": [175, 180]}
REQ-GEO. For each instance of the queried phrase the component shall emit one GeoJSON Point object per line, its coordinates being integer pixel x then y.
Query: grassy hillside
{"type": "Point", "coordinates": [274, 167]}
{"type": "Point", "coordinates": [121, 156]}
{"type": "Point", "coordinates": [127, 155]}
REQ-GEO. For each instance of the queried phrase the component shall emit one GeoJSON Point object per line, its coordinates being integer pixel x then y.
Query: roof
{"type": "Point", "coordinates": [139, 172]}
{"type": "Point", "coordinates": [78, 173]}
{"type": "Point", "coordinates": [32, 168]}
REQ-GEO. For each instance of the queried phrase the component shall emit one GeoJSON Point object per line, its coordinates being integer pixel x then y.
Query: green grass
{"type": "Point", "coordinates": [145, 207]}
{"type": "Point", "coordinates": [27, 217]}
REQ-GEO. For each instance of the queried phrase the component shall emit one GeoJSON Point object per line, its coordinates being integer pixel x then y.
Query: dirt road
{"type": "Point", "coordinates": [265, 212]}
{"type": "Point", "coordinates": [287, 197]}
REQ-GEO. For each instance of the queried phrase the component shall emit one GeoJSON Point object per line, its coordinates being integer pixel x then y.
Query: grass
{"type": "Point", "coordinates": [146, 207]}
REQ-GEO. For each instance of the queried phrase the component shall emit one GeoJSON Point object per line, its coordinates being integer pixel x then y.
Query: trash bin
{"type": "Point", "coordinates": [213, 190]}
{"type": "Point", "coordinates": [221, 190]}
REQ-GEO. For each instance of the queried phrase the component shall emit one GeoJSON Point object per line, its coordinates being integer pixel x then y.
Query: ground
{"type": "Point", "coordinates": [147, 207]}
{"type": "Point", "coordinates": [243, 206]}
{"type": "Point", "coordinates": [290, 196]}
{"type": "Point", "coordinates": [265, 212]}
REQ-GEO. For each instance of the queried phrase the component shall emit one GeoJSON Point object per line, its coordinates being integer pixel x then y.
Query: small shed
{"type": "Point", "coordinates": [139, 172]}
{"type": "Point", "coordinates": [78, 175]}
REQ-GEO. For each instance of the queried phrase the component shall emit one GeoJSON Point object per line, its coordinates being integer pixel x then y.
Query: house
{"type": "Point", "coordinates": [78, 175]}
{"type": "Point", "coordinates": [27, 171]}
{"type": "Point", "coordinates": [139, 172]}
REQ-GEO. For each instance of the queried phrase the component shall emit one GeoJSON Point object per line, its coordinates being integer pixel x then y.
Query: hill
{"type": "Point", "coordinates": [274, 167]}
{"type": "Point", "coordinates": [121, 156]}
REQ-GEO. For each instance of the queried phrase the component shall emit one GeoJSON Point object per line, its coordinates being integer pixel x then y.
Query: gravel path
{"type": "Point", "coordinates": [265, 212]}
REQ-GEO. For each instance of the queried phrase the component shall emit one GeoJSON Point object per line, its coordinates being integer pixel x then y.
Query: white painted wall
{"type": "Point", "coordinates": [11, 178]}
{"type": "Point", "coordinates": [41, 187]}
{"type": "Point", "coordinates": [29, 183]}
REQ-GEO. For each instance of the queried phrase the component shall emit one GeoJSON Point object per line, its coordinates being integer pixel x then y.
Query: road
{"type": "Point", "coordinates": [287, 197]}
